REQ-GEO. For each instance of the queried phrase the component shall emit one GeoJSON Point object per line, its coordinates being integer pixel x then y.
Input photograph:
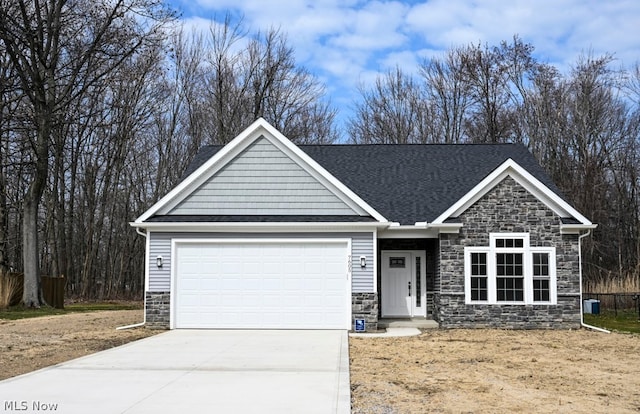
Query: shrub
{"type": "Point", "coordinates": [11, 285]}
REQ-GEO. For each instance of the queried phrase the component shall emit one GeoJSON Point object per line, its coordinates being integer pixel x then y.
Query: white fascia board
{"type": "Point", "coordinates": [522, 177]}
{"type": "Point", "coordinates": [259, 227]}
{"type": "Point", "coordinates": [407, 232]}
{"type": "Point", "coordinates": [576, 228]}
{"type": "Point", "coordinates": [447, 227]}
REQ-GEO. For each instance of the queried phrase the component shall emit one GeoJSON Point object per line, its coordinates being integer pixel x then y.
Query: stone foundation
{"type": "Point", "coordinates": [365, 306]}
{"type": "Point", "coordinates": [454, 313]}
{"type": "Point", "coordinates": [157, 310]}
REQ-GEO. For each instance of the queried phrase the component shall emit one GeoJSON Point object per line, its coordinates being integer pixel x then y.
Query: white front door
{"type": "Point", "coordinates": [403, 288]}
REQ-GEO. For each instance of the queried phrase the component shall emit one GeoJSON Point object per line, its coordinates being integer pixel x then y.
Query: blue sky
{"type": "Point", "coordinates": [349, 42]}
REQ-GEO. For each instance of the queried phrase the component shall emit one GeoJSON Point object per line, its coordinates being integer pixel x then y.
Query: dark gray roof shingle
{"type": "Point", "coordinates": [410, 183]}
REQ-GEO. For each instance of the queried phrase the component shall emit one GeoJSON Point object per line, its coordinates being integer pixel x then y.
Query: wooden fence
{"type": "Point", "coordinates": [52, 289]}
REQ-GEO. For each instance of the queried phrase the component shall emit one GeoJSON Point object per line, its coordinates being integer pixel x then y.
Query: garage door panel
{"type": "Point", "coordinates": [252, 268]}
{"type": "Point", "coordinates": [191, 283]}
{"type": "Point", "coordinates": [191, 300]}
{"type": "Point", "coordinates": [270, 284]}
{"type": "Point", "coordinates": [262, 285]}
{"type": "Point", "coordinates": [333, 286]}
{"type": "Point", "coordinates": [209, 284]}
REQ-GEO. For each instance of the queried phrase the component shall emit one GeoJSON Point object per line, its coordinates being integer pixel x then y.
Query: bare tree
{"type": "Point", "coordinates": [393, 111]}
{"type": "Point", "coordinates": [58, 49]}
{"type": "Point", "coordinates": [256, 75]}
{"type": "Point", "coordinates": [447, 89]}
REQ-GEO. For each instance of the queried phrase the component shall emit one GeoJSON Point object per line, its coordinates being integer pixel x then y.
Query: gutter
{"type": "Point", "coordinates": [584, 325]}
{"type": "Point", "coordinates": [257, 226]}
{"type": "Point", "coordinates": [144, 320]}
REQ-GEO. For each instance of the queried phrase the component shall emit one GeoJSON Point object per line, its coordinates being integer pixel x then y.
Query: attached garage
{"type": "Point", "coordinates": [261, 284]}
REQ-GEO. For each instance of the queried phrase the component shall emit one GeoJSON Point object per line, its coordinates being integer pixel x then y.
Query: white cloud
{"type": "Point", "coordinates": [559, 30]}
{"type": "Point", "coordinates": [407, 60]}
{"type": "Point", "coordinates": [350, 41]}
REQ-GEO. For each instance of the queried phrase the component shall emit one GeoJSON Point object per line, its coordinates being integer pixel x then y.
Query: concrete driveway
{"type": "Point", "coordinates": [195, 371]}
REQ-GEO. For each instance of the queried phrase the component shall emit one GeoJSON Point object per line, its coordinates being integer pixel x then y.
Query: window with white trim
{"type": "Point", "coordinates": [510, 271]}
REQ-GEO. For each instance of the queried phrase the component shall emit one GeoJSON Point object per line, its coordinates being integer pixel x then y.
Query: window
{"type": "Point", "coordinates": [478, 276]}
{"type": "Point", "coordinates": [418, 283]}
{"type": "Point", "coordinates": [541, 277]}
{"type": "Point", "coordinates": [510, 271]}
{"type": "Point", "coordinates": [509, 277]}
{"type": "Point", "coordinates": [397, 262]}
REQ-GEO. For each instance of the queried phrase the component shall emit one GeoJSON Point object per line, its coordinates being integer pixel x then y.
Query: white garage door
{"type": "Point", "coordinates": [256, 284]}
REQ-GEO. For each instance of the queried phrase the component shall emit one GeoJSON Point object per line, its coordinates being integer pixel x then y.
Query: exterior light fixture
{"type": "Point", "coordinates": [159, 261]}
{"type": "Point", "coordinates": [363, 261]}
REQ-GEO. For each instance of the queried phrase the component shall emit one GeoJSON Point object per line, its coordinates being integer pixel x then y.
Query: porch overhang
{"type": "Point", "coordinates": [419, 230]}
{"type": "Point", "coordinates": [449, 228]}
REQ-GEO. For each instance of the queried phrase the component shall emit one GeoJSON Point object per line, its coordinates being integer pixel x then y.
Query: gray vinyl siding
{"type": "Point", "coordinates": [160, 244]}
{"type": "Point", "coordinates": [362, 279]}
{"type": "Point", "coordinates": [262, 180]}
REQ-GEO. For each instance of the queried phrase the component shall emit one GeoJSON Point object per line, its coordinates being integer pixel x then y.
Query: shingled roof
{"type": "Point", "coordinates": [413, 182]}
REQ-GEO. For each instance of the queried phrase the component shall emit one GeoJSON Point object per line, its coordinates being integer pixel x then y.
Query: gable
{"type": "Point", "coordinates": [262, 180]}
{"type": "Point", "coordinates": [509, 207]}
{"type": "Point", "coordinates": [260, 176]}
{"type": "Point", "coordinates": [511, 170]}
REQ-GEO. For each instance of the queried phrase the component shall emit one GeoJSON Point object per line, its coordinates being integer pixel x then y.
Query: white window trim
{"type": "Point", "coordinates": [527, 251]}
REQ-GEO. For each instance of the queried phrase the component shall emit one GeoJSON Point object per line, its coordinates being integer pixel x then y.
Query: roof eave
{"type": "Point", "coordinates": [258, 226]}
{"type": "Point", "coordinates": [576, 228]}
{"type": "Point", "coordinates": [451, 228]}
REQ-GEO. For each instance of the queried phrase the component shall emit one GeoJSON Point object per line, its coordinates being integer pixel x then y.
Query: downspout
{"type": "Point", "coordinates": [595, 328]}
{"type": "Point", "coordinates": [144, 314]}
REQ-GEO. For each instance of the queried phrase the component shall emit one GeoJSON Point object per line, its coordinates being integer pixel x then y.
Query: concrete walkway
{"type": "Point", "coordinates": [195, 371]}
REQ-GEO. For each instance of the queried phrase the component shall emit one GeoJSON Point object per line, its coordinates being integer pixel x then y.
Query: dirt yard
{"type": "Point", "coordinates": [493, 371]}
{"type": "Point", "coordinates": [453, 371]}
{"type": "Point", "coordinates": [30, 344]}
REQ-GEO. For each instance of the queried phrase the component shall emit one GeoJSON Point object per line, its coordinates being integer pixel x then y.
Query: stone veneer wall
{"type": "Point", "coordinates": [365, 306]}
{"type": "Point", "coordinates": [157, 309]}
{"type": "Point", "coordinates": [508, 208]}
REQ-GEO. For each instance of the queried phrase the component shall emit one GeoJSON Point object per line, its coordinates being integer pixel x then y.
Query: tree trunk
{"type": "Point", "coordinates": [4, 224]}
{"type": "Point", "coordinates": [32, 295]}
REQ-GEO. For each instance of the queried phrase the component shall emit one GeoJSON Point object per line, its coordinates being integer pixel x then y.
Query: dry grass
{"type": "Point", "coordinates": [496, 371]}
{"type": "Point", "coordinates": [629, 283]}
{"type": "Point", "coordinates": [10, 289]}
{"type": "Point", "coordinates": [34, 343]}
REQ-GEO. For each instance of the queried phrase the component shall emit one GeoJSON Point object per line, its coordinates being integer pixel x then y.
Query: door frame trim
{"type": "Point", "coordinates": [415, 311]}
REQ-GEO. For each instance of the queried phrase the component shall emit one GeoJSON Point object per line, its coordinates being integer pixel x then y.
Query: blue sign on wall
{"type": "Point", "coordinates": [360, 325]}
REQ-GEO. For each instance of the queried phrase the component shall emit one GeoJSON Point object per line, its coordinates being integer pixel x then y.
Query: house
{"type": "Point", "coordinates": [262, 233]}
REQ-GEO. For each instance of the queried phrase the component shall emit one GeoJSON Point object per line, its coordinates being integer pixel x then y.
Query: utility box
{"type": "Point", "coordinates": [591, 306]}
